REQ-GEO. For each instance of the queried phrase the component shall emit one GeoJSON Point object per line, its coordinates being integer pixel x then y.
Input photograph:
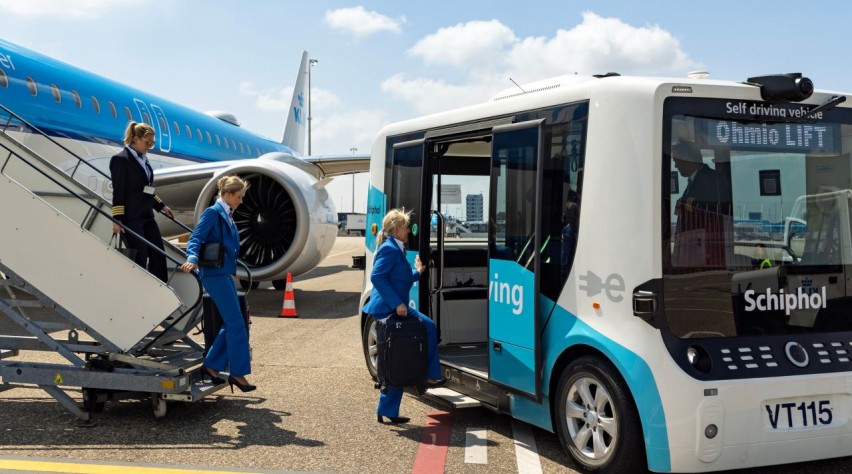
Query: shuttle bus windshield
{"type": "Point", "coordinates": [756, 219]}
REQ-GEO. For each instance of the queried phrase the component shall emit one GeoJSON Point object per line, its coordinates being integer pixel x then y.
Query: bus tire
{"type": "Point", "coordinates": [596, 418]}
{"type": "Point", "coordinates": [369, 343]}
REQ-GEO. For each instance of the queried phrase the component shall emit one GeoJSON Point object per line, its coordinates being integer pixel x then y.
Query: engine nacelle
{"type": "Point", "coordinates": [287, 223]}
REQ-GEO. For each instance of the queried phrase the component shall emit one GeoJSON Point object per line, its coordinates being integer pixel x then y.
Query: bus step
{"type": "Point", "coordinates": [456, 399]}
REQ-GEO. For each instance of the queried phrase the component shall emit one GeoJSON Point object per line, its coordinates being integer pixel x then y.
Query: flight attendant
{"type": "Point", "coordinates": [231, 346]}
{"type": "Point", "coordinates": [392, 278]}
{"type": "Point", "coordinates": [134, 200]}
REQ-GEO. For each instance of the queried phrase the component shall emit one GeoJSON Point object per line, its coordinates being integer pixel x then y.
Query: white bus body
{"type": "Point", "coordinates": [613, 305]}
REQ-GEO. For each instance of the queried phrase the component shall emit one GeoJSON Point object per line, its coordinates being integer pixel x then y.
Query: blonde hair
{"type": "Point", "coordinates": [394, 219]}
{"type": "Point", "coordinates": [231, 184]}
{"type": "Point", "coordinates": [140, 130]}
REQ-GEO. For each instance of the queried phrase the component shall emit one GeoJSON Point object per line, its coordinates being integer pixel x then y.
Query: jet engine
{"type": "Point", "coordinates": [287, 222]}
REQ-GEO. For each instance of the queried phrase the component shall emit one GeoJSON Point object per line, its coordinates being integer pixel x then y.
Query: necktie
{"type": "Point", "coordinates": [146, 166]}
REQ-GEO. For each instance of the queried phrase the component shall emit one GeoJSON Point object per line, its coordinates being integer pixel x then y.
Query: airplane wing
{"type": "Point", "coordinates": [180, 186]}
{"type": "Point", "coordinates": [337, 165]}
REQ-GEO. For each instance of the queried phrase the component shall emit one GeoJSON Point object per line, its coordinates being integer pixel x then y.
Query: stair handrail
{"type": "Point", "coordinates": [34, 129]}
{"type": "Point", "coordinates": [140, 238]}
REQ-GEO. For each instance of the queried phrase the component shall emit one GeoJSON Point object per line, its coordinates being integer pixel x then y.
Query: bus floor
{"type": "Point", "coordinates": [472, 358]}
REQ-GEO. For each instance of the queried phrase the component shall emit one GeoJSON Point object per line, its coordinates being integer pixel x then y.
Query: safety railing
{"type": "Point", "coordinates": [83, 205]}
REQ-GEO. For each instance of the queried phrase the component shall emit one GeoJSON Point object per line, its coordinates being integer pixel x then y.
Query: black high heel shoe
{"type": "Point", "coordinates": [246, 387]}
{"type": "Point", "coordinates": [213, 378]}
{"type": "Point", "coordinates": [435, 383]}
{"type": "Point", "coordinates": [394, 419]}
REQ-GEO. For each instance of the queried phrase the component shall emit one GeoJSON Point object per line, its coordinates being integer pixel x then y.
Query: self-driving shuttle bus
{"type": "Point", "coordinates": [667, 274]}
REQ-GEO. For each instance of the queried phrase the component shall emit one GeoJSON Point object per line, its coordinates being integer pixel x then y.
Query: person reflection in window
{"type": "Point", "coordinates": [570, 218]}
{"type": "Point", "coordinates": [701, 209]}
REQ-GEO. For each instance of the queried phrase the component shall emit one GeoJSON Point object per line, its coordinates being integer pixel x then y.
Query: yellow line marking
{"type": "Point", "coordinates": [81, 468]}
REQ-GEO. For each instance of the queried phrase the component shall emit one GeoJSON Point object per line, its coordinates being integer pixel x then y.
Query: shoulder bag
{"type": "Point", "coordinates": [212, 254]}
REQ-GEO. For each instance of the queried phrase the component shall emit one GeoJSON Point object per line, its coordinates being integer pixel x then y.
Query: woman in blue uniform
{"type": "Point", "coordinates": [392, 278]}
{"type": "Point", "coordinates": [231, 345]}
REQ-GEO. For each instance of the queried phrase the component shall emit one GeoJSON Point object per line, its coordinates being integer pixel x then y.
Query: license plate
{"type": "Point", "coordinates": [798, 414]}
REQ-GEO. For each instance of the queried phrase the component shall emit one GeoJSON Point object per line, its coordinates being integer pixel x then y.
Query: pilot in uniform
{"type": "Point", "coordinates": [134, 201]}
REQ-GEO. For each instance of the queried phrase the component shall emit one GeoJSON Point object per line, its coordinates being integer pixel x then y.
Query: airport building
{"type": "Point", "coordinates": [474, 206]}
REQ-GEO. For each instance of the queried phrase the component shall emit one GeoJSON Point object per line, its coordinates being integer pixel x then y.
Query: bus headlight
{"type": "Point", "coordinates": [699, 358]}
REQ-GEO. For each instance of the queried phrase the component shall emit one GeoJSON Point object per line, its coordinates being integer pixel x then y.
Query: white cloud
{"type": "Point", "coordinates": [278, 99]}
{"type": "Point", "coordinates": [77, 9]}
{"type": "Point", "coordinates": [337, 132]}
{"type": "Point", "coordinates": [600, 45]}
{"type": "Point", "coordinates": [465, 43]}
{"type": "Point", "coordinates": [334, 129]}
{"type": "Point", "coordinates": [488, 53]}
{"type": "Point", "coordinates": [430, 95]}
{"type": "Point", "coordinates": [360, 22]}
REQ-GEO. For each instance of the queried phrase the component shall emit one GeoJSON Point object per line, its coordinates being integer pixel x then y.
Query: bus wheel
{"type": "Point", "coordinates": [370, 343]}
{"type": "Point", "coordinates": [596, 418]}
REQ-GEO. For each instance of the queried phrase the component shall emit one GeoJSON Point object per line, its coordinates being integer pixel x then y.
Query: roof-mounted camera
{"type": "Point", "coordinates": [790, 87]}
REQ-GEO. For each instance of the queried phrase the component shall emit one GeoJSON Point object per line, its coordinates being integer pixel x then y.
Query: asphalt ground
{"type": "Point", "coordinates": [314, 409]}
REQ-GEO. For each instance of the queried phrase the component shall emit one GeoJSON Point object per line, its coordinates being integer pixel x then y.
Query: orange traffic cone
{"type": "Point", "coordinates": [289, 308]}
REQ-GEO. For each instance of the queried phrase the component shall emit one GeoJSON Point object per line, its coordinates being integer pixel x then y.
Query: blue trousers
{"type": "Point", "coordinates": [390, 400]}
{"type": "Point", "coordinates": [231, 346]}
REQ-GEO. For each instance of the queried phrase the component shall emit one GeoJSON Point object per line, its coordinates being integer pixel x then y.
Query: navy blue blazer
{"type": "Point", "coordinates": [392, 278]}
{"type": "Point", "coordinates": [214, 226]}
{"type": "Point", "coordinates": [129, 201]}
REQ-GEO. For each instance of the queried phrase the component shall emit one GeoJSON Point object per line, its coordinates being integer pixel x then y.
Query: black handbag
{"type": "Point", "coordinates": [120, 244]}
{"type": "Point", "coordinates": [212, 254]}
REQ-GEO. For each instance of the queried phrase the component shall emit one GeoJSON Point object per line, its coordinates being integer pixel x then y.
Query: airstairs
{"type": "Point", "coordinates": [117, 331]}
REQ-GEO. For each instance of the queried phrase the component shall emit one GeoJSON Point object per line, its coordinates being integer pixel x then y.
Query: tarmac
{"type": "Point", "coordinates": [313, 411]}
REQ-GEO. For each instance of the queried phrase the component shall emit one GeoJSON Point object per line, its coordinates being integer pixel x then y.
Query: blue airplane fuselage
{"type": "Point", "coordinates": [68, 102]}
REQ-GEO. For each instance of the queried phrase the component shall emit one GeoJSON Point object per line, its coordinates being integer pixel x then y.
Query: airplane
{"type": "Point", "coordinates": [287, 222]}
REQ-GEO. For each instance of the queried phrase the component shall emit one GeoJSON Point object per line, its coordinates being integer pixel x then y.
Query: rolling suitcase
{"type": "Point", "coordinates": [211, 321]}
{"type": "Point", "coordinates": [402, 351]}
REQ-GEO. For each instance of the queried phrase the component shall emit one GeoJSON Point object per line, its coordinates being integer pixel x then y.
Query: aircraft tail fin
{"type": "Point", "coordinates": [297, 118]}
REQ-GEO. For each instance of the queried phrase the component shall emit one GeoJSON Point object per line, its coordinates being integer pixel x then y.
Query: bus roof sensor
{"type": "Point", "coordinates": [790, 87]}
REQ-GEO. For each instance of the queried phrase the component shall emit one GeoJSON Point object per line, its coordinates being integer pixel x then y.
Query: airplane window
{"type": "Point", "coordinates": [96, 105]}
{"type": "Point", "coordinates": [200, 137]}
{"type": "Point", "coordinates": [163, 125]}
{"type": "Point", "coordinates": [209, 138]}
{"type": "Point", "coordinates": [227, 147]}
{"type": "Point", "coordinates": [146, 118]}
{"type": "Point", "coordinates": [57, 96]}
{"type": "Point", "coordinates": [4, 81]}
{"type": "Point", "coordinates": [242, 150]}
{"type": "Point", "coordinates": [177, 128]}
{"type": "Point", "coordinates": [218, 141]}
{"type": "Point", "coordinates": [113, 110]}
{"type": "Point", "coordinates": [128, 113]}
{"type": "Point", "coordinates": [31, 86]}
{"type": "Point", "coordinates": [234, 144]}
{"type": "Point", "coordinates": [188, 131]}
{"type": "Point", "coordinates": [76, 96]}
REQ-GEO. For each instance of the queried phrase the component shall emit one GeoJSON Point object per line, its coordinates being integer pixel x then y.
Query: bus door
{"type": "Point", "coordinates": [514, 259]}
{"type": "Point", "coordinates": [406, 178]}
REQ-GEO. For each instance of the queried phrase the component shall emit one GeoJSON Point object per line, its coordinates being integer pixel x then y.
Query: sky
{"type": "Point", "coordinates": [384, 61]}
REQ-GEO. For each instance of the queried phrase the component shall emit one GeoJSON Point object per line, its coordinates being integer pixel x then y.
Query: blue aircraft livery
{"type": "Point", "coordinates": [67, 102]}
